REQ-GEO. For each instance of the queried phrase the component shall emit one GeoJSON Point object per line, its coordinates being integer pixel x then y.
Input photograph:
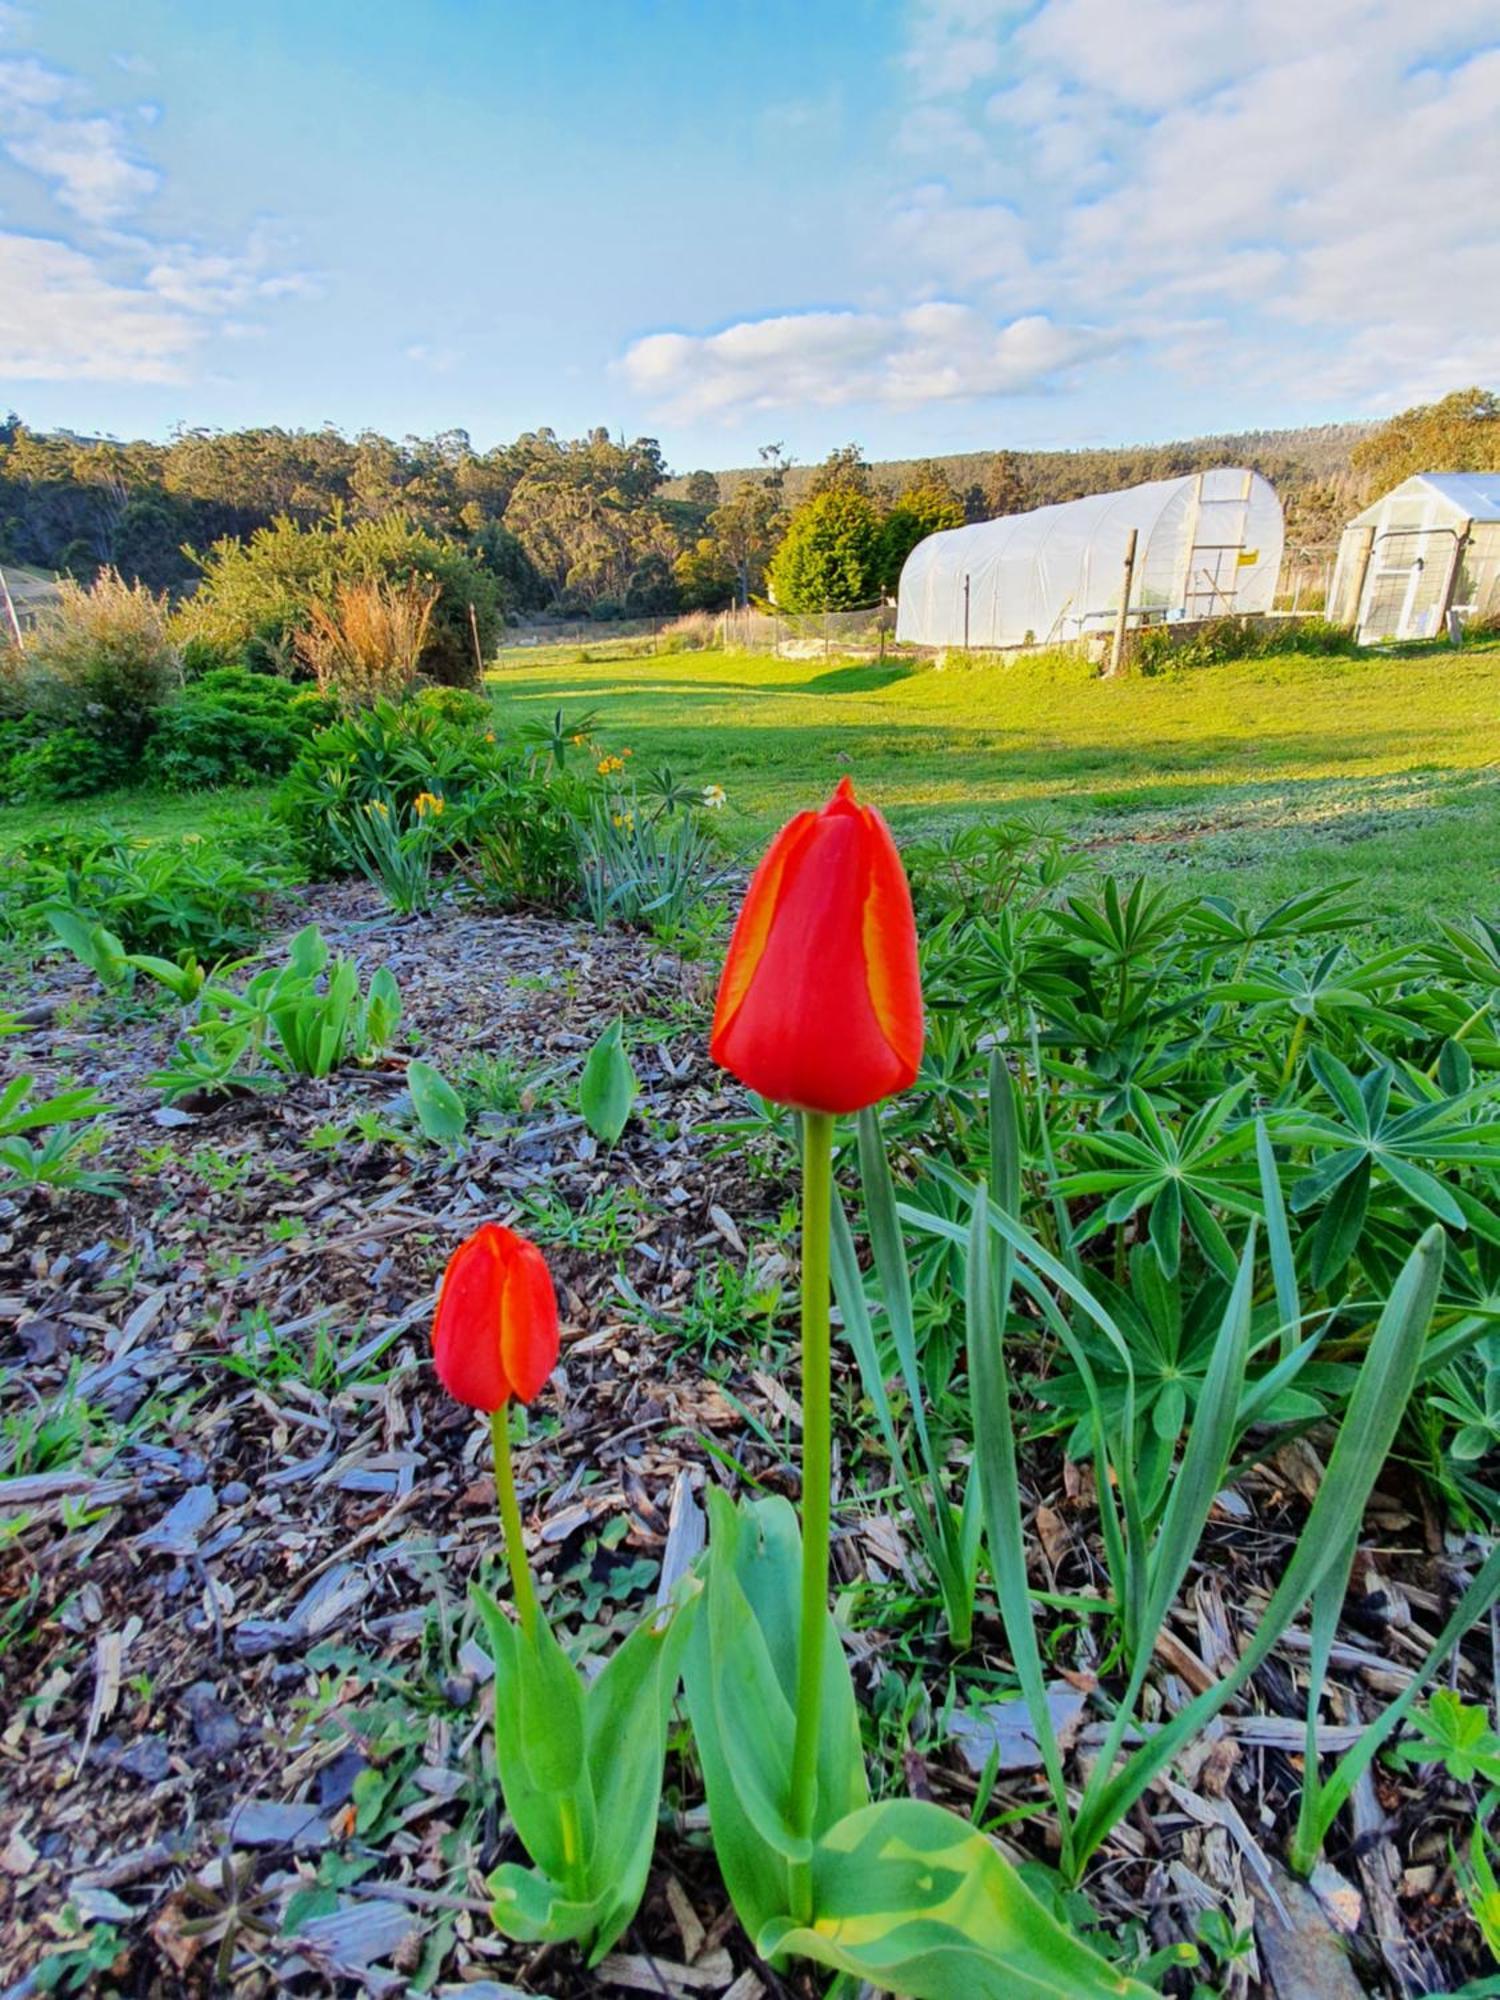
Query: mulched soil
{"type": "Point", "coordinates": [235, 1646]}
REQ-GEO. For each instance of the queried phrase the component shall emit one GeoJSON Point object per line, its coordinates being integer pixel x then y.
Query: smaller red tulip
{"type": "Point", "coordinates": [820, 1002]}
{"type": "Point", "coordinates": [495, 1333]}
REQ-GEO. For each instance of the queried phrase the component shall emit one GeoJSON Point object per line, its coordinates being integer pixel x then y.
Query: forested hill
{"type": "Point", "coordinates": [1311, 469]}
{"type": "Point", "coordinates": [597, 526]}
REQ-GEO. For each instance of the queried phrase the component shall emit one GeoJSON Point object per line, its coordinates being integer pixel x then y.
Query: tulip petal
{"type": "Point", "coordinates": [528, 1318]}
{"type": "Point", "coordinates": [890, 946]}
{"type": "Point", "coordinates": [466, 1329]}
{"type": "Point", "coordinates": [753, 926]}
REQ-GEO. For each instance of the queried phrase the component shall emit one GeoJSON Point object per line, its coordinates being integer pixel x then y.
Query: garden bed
{"type": "Point", "coordinates": [246, 1734]}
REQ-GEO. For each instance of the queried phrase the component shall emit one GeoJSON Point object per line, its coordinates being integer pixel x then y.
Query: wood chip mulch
{"type": "Point", "coordinates": [243, 1724]}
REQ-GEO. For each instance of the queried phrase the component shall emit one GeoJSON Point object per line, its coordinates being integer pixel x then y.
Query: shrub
{"type": "Point", "coordinates": [231, 727]}
{"type": "Point", "coordinates": [63, 763]}
{"type": "Point", "coordinates": [169, 897]}
{"type": "Point", "coordinates": [520, 847]}
{"type": "Point", "coordinates": [256, 596]}
{"type": "Point", "coordinates": [441, 784]}
{"type": "Point", "coordinates": [100, 661]}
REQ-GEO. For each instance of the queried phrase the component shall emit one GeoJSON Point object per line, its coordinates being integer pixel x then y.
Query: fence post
{"type": "Point", "coordinates": [1122, 620]}
{"type": "Point", "coordinates": [966, 611]}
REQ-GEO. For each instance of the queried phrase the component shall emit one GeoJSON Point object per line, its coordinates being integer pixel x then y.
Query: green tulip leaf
{"type": "Point", "coordinates": [580, 1767]}
{"type": "Point", "coordinates": [918, 1903]}
{"type": "Point", "coordinates": [439, 1108]}
{"type": "Point", "coordinates": [608, 1087]}
{"type": "Point", "coordinates": [539, 1744]}
{"type": "Point", "coordinates": [740, 1672]}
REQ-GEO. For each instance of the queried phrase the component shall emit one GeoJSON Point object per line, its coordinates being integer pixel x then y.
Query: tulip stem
{"type": "Point", "coordinates": [522, 1588]}
{"type": "Point", "coordinates": [817, 1461]}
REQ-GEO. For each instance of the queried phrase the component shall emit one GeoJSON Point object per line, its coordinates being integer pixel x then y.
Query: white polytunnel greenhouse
{"type": "Point", "coordinates": [1426, 551]}
{"type": "Point", "coordinates": [1206, 545]}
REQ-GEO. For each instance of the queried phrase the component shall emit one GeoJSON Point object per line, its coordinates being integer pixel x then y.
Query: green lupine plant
{"type": "Point", "coordinates": [1147, 1565]}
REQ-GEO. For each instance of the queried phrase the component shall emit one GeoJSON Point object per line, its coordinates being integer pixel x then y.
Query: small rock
{"type": "Point", "coordinates": [458, 1689]}
{"type": "Point", "coordinates": [235, 1494]}
{"type": "Point", "coordinates": [215, 1728]}
{"type": "Point", "coordinates": [147, 1759]}
{"type": "Point", "coordinates": [271, 1823]}
{"type": "Point", "coordinates": [336, 1780]}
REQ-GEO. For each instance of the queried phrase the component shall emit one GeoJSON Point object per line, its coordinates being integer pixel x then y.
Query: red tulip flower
{"type": "Point", "coordinates": [495, 1334]}
{"type": "Point", "coordinates": [820, 1002]}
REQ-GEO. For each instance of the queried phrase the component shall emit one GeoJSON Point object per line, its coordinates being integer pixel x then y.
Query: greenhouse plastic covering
{"type": "Point", "coordinates": [1208, 544]}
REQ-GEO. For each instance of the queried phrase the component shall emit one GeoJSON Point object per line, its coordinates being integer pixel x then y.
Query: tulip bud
{"type": "Point", "coordinates": [820, 1001]}
{"type": "Point", "coordinates": [495, 1333]}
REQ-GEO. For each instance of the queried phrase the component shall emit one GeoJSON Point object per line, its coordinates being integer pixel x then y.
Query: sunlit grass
{"type": "Point", "coordinates": [1287, 771]}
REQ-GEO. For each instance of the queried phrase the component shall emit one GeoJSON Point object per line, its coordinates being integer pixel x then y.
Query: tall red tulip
{"type": "Point", "coordinates": [820, 1002]}
{"type": "Point", "coordinates": [495, 1334]}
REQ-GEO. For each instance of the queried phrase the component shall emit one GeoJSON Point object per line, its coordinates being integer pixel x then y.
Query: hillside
{"type": "Point", "coordinates": [1310, 468]}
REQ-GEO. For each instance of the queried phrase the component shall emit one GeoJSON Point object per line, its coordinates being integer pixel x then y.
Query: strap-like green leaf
{"type": "Point", "coordinates": [918, 1903]}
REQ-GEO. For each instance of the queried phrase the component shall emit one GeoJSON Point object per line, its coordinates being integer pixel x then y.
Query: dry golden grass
{"type": "Point", "coordinates": [368, 643]}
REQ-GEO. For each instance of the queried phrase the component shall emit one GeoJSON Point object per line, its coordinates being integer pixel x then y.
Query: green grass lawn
{"type": "Point", "coordinates": [1283, 772]}
{"type": "Point", "coordinates": [1252, 779]}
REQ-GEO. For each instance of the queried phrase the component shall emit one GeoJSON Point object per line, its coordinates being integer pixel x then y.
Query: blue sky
{"type": "Point", "coordinates": [931, 225]}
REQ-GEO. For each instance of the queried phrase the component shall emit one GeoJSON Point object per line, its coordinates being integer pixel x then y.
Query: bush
{"type": "Point", "coordinates": [505, 813]}
{"type": "Point", "coordinates": [367, 644]}
{"type": "Point", "coordinates": [519, 839]}
{"type": "Point", "coordinates": [256, 596]}
{"type": "Point", "coordinates": [100, 661]}
{"type": "Point", "coordinates": [1161, 648]}
{"type": "Point", "coordinates": [66, 763]}
{"type": "Point", "coordinates": [231, 727]}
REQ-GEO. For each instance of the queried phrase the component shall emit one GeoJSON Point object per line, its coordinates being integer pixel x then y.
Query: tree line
{"type": "Point", "coordinates": [597, 527]}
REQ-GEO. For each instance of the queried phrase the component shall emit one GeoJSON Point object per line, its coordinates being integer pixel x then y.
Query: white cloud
{"type": "Point", "coordinates": [1311, 181]}
{"type": "Point", "coordinates": [62, 319]}
{"type": "Point", "coordinates": [220, 281]}
{"type": "Point", "coordinates": [87, 164]}
{"type": "Point", "coordinates": [117, 304]}
{"type": "Point", "coordinates": [935, 352]}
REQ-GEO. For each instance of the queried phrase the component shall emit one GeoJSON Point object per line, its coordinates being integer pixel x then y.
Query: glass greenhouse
{"type": "Point", "coordinates": [1207, 544]}
{"type": "Point", "coordinates": [1428, 548]}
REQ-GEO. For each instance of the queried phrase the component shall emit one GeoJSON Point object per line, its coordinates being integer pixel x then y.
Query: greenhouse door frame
{"type": "Point", "coordinates": [1382, 569]}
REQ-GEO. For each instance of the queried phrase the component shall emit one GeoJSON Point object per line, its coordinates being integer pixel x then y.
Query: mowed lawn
{"type": "Point", "coordinates": [1282, 773]}
{"type": "Point", "coordinates": [1251, 780]}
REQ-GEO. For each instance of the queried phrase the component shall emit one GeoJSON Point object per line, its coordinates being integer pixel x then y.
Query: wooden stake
{"type": "Point", "coordinates": [10, 612]}
{"type": "Point", "coordinates": [1450, 588]}
{"type": "Point", "coordinates": [1122, 620]}
{"type": "Point", "coordinates": [1361, 576]}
